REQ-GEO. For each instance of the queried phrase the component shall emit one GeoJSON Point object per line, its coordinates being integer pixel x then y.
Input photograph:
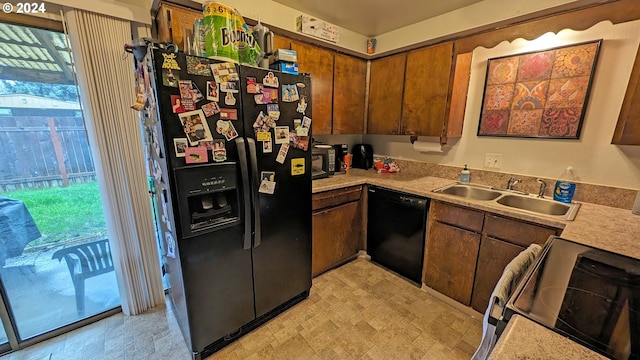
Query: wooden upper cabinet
{"type": "Point", "coordinates": [628, 127]}
{"type": "Point", "coordinates": [173, 21]}
{"type": "Point", "coordinates": [319, 63]}
{"type": "Point", "coordinates": [426, 85]}
{"type": "Point", "coordinates": [349, 89]}
{"type": "Point", "coordinates": [385, 95]}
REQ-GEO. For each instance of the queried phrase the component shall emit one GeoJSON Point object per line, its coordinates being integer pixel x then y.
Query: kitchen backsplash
{"type": "Point", "coordinates": [590, 193]}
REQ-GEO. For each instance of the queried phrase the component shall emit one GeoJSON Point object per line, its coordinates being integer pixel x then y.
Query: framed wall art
{"type": "Point", "coordinates": [540, 94]}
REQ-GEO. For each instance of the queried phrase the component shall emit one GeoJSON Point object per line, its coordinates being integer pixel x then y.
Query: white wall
{"type": "Point", "coordinates": [594, 158]}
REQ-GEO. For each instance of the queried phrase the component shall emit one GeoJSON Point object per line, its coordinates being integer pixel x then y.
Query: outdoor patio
{"type": "Point", "coordinates": [42, 296]}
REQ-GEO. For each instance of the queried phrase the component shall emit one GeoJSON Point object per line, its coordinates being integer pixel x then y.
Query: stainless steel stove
{"type": "Point", "coordinates": [589, 295]}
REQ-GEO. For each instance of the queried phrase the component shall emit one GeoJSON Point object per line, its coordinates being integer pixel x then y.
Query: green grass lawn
{"type": "Point", "coordinates": [64, 213]}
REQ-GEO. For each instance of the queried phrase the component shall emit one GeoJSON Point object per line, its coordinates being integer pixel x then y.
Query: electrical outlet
{"type": "Point", "coordinates": [493, 161]}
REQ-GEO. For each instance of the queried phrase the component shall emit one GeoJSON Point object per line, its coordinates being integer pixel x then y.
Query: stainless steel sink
{"type": "Point", "coordinates": [541, 206]}
{"type": "Point", "coordinates": [513, 199]}
{"type": "Point", "coordinates": [471, 192]}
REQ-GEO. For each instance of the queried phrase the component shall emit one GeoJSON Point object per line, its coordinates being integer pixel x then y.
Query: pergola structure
{"type": "Point", "coordinates": [35, 55]}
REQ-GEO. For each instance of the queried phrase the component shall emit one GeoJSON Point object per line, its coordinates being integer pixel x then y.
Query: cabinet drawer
{"type": "Point", "coordinates": [515, 231]}
{"type": "Point", "coordinates": [335, 197]}
{"type": "Point", "coordinates": [458, 216]}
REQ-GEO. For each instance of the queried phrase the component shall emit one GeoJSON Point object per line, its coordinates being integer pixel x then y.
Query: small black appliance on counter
{"type": "Point", "coordinates": [362, 156]}
{"type": "Point", "coordinates": [340, 150]}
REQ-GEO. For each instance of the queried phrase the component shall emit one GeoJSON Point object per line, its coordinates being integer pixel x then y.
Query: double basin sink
{"type": "Point", "coordinates": [513, 199]}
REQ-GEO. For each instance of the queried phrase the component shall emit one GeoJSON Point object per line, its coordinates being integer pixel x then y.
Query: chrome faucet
{"type": "Point", "coordinates": [512, 182]}
{"type": "Point", "coordinates": [543, 187]}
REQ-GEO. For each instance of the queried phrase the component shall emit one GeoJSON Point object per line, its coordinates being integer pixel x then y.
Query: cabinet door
{"type": "Point", "coordinates": [426, 85]}
{"type": "Point", "coordinates": [493, 258]}
{"type": "Point", "coordinates": [385, 95]}
{"type": "Point", "coordinates": [628, 127]}
{"type": "Point", "coordinates": [337, 235]}
{"type": "Point", "coordinates": [450, 261]}
{"type": "Point", "coordinates": [319, 63]}
{"type": "Point", "coordinates": [349, 84]}
{"type": "Point", "coordinates": [173, 21]}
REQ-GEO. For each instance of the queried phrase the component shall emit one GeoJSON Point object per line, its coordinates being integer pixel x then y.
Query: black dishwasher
{"type": "Point", "coordinates": [396, 229]}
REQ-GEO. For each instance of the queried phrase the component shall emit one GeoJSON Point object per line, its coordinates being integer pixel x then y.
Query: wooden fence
{"type": "Point", "coordinates": [40, 151]}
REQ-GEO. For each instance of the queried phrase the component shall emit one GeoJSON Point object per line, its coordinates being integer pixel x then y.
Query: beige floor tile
{"type": "Point", "coordinates": [359, 311]}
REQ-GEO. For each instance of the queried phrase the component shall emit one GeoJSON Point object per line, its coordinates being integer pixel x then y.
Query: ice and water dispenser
{"type": "Point", "coordinates": [208, 198]}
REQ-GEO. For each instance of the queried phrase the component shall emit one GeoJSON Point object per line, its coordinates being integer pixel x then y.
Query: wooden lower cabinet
{"type": "Point", "coordinates": [451, 255]}
{"type": "Point", "coordinates": [502, 240]}
{"type": "Point", "coordinates": [337, 230]}
{"type": "Point", "coordinates": [467, 250]}
{"type": "Point", "coordinates": [493, 258]}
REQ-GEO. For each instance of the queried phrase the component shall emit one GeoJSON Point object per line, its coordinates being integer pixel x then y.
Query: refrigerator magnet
{"type": "Point", "coordinates": [196, 155]}
{"type": "Point", "coordinates": [270, 80]}
{"type": "Point", "coordinates": [297, 166]}
{"type": "Point", "coordinates": [267, 147]}
{"type": "Point", "coordinates": [198, 66]}
{"type": "Point", "coordinates": [219, 155]}
{"type": "Point", "coordinates": [195, 126]}
{"type": "Point", "coordinates": [267, 187]}
{"type": "Point", "coordinates": [299, 142]}
{"type": "Point", "coordinates": [263, 135]}
{"type": "Point", "coordinates": [171, 245]}
{"type": "Point", "coordinates": [290, 93]}
{"type": "Point", "coordinates": [270, 95]}
{"type": "Point", "coordinates": [212, 91]}
{"type": "Point", "coordinates": [302, 105]}
{"type": "Point", "coordinates": [169, 78]}
{"type": "Point", "coordinates": [180, 145]}
{"type": "Point", "coordinates": [228, 114]}
{"type": "Point", "coordinates": [227, 86]}
{"type": "Point", "coordinates": [210, 109]}
{"type": "Point", "coordinates": [176, 104]}
{"type": "Point", "coordinates": [170, 62]}
{"type": "Point", "coordinates": [259, 99]}
{"type": "Point", "coordinates": [282, 153]}
{"type": "Point", "coordinates": [282, 134]}
{"type": "Point", "coordinates": [268, 175]}
{"type": "Point", "coordinates": [273, 110]}
{"type": "Point", "coordinates": [224, 72]}
{"type": "Point", "coordinates": [196, 95]}
{"type": "Point", "coordinates": [253, 87]}
{"type": "Point", "coordinates": [229, 99]}
{"type": "Point", "coordinates": [229, 132]}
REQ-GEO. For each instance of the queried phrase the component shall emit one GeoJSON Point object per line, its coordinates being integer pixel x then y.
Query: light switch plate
{"type": "Point", "coordinates": [493, 161]}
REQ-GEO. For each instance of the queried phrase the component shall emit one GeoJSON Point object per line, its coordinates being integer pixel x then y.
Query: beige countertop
{"type": "Point", "coordinates": [525, 339]}
{"type": "Point", "coordinates": [608, 228]}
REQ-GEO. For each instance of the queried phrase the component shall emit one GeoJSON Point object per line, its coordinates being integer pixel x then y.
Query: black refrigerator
{"type": "Point", "coordinates": [229, 151]}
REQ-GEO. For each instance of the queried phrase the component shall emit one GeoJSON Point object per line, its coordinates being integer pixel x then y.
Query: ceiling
{"type": "Point", "coordinates": [375, 17]}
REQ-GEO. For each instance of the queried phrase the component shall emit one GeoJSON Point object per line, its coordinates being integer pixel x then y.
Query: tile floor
{"type": "Point", "coordinates": [358, 311]}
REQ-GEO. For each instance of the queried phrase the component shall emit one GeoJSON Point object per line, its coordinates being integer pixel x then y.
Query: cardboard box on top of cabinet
{"type": "Point", "coordinates": [285, 55]}
{"type": "Point", "coordinates": [318, 28]}
{"type": "Point", "coordinates": [285, 67]}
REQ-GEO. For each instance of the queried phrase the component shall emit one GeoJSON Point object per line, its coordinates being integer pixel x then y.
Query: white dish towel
{"type": "Point", "coordinates": [513, 272]}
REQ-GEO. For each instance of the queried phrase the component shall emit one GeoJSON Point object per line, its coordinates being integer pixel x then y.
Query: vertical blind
{"type": "Point", "coordinates": [107, 89]}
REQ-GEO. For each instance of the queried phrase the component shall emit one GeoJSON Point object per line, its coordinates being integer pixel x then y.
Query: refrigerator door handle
{"type": "Point", "coordinates": [244, 170]}
{"type": "Point", "coordinates": [256, 185]}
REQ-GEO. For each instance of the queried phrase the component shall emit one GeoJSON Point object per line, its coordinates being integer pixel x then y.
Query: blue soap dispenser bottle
{"type": "Point", "coordinates": [465, 175]}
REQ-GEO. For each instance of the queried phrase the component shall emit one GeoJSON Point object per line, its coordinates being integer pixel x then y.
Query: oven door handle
{"type": "Point", "coordinates": [246, 195]}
